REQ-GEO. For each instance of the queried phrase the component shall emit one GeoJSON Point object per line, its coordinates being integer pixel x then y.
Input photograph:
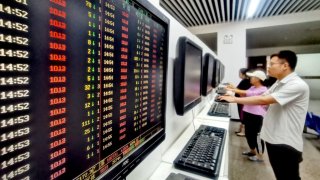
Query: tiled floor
{"type": "Point", "coordinates": [240, 168]}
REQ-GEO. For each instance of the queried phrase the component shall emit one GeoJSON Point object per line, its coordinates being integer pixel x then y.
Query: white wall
{"type": "Point", "coordinates": [234, 55]}
{"type": "Point", "coordinates": [175, 124]}
{"type": "Point", "coordinates": [308, 66]}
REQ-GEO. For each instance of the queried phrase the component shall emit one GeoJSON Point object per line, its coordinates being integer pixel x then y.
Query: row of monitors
{"type": "Point", "coordinates": [195, 75]}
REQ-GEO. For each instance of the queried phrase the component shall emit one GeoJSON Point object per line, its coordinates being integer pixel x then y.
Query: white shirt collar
{"type": "Point", "coordinates": [287, 78]}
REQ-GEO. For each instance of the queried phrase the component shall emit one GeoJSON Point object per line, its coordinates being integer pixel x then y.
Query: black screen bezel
{"type": "Point", "coordinates": [216, 79]}
{"type": "Point", "coordinates": [179, 77]}
{"type": "Point", "coordinates": [204, 88]}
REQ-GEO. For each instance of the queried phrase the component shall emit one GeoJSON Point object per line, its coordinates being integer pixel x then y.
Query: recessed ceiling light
{"type": "Point", "coordinates": [252, 7]}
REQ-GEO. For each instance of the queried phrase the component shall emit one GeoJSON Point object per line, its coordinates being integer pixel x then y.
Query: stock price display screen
{"type": "Point", "coordinates": [81, 85]}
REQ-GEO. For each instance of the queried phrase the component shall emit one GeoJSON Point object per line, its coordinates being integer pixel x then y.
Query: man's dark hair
{"type": "Point", "coordinates": [243, 70]}
{"type": "Point", "coordinates": [290, 57]}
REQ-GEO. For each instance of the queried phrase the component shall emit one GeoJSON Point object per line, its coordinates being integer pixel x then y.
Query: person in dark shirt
{"type": "Point", "coordinates": [243, 85]}
{"type": "Point", "coordinates": [270, 81]}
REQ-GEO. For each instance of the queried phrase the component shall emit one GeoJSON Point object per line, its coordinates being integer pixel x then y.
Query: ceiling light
{"type": "Point", "coordinates": [252, 7]}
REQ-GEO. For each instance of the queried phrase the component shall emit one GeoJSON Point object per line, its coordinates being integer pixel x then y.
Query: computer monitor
{"type": "Point", "coordinates": [207, 74]}
{"type": "Point", "coordinates": [222, 73]}
{"type": "Point", "coordinates": [217, 78]}
{"type": "Point", "coordinates": [187, 79]}
{"type": "Point", "coordinates": [82, 87]}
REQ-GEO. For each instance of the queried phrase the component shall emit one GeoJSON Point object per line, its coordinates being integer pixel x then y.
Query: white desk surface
{"type": "Point", "coordinates": [165, 169]}
{"type": "Point", "coordinates": [166, 166]}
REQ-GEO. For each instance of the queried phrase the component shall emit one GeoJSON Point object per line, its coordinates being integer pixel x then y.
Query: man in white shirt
{"type": "Point", "coordinates": [288, 100]}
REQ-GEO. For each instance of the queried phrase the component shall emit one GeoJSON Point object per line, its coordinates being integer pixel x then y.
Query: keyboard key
{"type": "Point", "coordinates": [203, 152]}
{"type": "Point", "coordinates": [219, 109]}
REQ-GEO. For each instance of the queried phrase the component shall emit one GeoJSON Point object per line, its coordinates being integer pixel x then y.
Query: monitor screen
{"type": "Point", "coordinates": [188, 69]}
{"type": "Point", "coordinates": [217, 73]}
{"type": "Point", "coordinates": [222, 67]}
{"type": "Point", "coordinates": [82, 87]}
{"type": "Point", "coordinates": [207, 76]}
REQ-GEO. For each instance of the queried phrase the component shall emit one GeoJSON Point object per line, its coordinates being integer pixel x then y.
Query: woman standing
{"type": "Point", "coordinates": [253, 115]}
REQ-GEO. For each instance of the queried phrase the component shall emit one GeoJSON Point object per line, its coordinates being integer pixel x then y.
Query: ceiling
{"type": "Point", "coordinates": [192, 13]}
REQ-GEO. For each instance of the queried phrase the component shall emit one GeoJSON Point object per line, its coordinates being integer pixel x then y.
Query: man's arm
{"type": "Point", "coordinates": [253, 100]}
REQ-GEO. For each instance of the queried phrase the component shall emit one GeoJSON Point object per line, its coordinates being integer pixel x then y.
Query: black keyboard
{"type": "Point", "coordinates": [221, 90]}
{"type": "Point", "coordinates": [219, 109]}
{"type": "Point", "coordinates": [203, 152]}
